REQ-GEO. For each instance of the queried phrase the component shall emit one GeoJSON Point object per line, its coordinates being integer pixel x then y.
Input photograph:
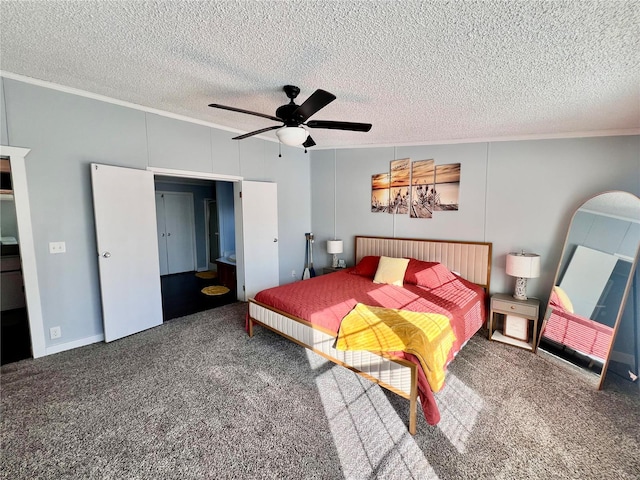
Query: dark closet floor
{"type": "Point", "coordinates": [181, 295]}
{"type": "Point", "coordinates": [14, 336]}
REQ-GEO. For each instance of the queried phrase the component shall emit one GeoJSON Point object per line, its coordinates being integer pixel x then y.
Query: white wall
{"type": "Point", "coordinates": [67, 132]}
{"type": "Point", "coordinates": [3, 117]}
{"type": "Point", "coordinates": [517, 195]}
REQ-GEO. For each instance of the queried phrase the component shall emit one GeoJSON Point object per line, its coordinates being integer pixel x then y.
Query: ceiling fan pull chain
{"type": "Point", "coordinates": [279, 150]}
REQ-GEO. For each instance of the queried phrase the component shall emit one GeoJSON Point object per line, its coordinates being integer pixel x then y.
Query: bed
{"type": "Point", "coordinates": [309, 312]}
{"type": "Point", "coordinates": [567, 328]}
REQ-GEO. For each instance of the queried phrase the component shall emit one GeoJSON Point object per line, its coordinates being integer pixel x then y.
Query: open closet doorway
{"type": "Point", "coordinates": [189, 231]}
{"type": "Point", "coordinates": [15, 334]}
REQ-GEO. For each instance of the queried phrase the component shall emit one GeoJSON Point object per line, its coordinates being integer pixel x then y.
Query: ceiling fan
{"type": "Point", "coordinates": [294, 118]}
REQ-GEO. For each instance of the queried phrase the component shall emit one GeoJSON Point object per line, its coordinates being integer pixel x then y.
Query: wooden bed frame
{"type": "Point", "coordinates": [470, 260]}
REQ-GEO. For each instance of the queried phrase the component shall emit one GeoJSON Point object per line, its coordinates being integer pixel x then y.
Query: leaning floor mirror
{"type": "Point", "coordinates": [593, 284]}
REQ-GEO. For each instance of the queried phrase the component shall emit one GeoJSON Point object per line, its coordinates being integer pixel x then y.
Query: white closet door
{"type": "Point", "coordinates": [179, 220]}
{"type": "Point", "coordinates": [124, 210]}
{"type": "Point", "coordinates": [162, 235]}
{"type": "Point", "coordinates": [586, 278]}
{"type": "Point", "coordinates": [257, 232]}
{"type": "Point", "coordinates": [176, 232]}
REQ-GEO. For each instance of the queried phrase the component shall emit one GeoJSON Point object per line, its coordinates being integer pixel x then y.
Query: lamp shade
{"type": "Point", "coordinates": [292, 136]}
{"type": "Point", "coordinates": [334, 246]}
{"type": "Point", "coordinates": [523, 265]}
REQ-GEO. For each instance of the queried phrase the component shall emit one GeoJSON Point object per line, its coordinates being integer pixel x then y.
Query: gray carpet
{"type": "Point", "coordinates": [197, 398]}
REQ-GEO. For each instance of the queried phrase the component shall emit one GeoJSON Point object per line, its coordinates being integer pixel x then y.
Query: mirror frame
{"type": "Point", "coordinates": [623, 301]}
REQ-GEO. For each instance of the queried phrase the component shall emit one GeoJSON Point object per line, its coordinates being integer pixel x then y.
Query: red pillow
{"type": "Point", "coordinates": [434, 276]}
{"type": "Point", "coordinates": [415, 269]}
{"type": "Point", "coordinates": [367, 267]}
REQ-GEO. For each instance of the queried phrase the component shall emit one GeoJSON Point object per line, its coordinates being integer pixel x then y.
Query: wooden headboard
{"type": "Point", "coordinates": [470, 260]}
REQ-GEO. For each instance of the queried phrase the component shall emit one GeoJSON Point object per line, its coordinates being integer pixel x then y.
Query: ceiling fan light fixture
{"type": "Point", "coordinates": [292, 136]}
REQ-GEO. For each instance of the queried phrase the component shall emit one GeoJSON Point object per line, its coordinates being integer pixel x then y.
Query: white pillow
{"type": "Point", "coordinates": [391, 270]}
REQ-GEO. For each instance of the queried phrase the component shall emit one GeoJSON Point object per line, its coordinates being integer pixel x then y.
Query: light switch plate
{"type": "Point", "coordinates": [57, 247]}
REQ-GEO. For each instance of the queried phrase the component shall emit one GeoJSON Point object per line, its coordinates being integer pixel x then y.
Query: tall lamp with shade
{"type": "Point", "coordinates": [334, 247]}
{"type": "Point", "coordinates": [522, 266]}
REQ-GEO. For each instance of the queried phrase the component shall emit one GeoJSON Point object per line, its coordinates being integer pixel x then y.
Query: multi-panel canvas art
{"type": "Point", "coordinates": [422, 185]}
{"type": "Point", "coordinates": [418, 188]}
{"type": "Point", "coordinates": [447, 187]}
{"type": "Point", "coordinates": [399, 186]}
{"type": "Point", "coordinates": [380, 192]}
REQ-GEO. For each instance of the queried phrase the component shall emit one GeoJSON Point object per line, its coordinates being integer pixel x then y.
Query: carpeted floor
{"type": "Point", "coordinates": [197, 398]}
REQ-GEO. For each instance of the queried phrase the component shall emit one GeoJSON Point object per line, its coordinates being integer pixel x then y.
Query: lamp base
{"type": "Point", "coordinates": [521, 289]}
{"type": "Point", "coordinates": [334, 264]}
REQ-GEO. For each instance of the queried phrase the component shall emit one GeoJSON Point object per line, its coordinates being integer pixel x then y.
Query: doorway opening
{"type": "Point", "coordinates": [196, 226]}
{"type": "Point", "coordinates": [15, 334]}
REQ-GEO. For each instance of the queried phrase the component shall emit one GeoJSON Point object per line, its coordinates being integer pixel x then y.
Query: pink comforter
{"type": "Point", "coordinates": [576, 332]}
{"type": "Point", "coordinates": [325, 300]}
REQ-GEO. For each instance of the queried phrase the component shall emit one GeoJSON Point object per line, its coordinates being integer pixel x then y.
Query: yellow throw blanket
{"type": "Point", "coordinates": [428, 336]}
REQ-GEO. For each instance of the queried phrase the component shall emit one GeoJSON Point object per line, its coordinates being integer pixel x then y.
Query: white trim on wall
{"type": "Point", "coordinates": [169, 172]}
{"type": "Point", "coordinates": [103, 98]}
{"type": "Point", "coordinates": [27, 247]}
{"type": "Point", "coordinates": [83, 342]}
{"type": "Point", "coordinates": [114, 101]}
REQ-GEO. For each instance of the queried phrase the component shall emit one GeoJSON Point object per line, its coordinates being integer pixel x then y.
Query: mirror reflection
{"type": "Point", "coordinates": [592, 284]}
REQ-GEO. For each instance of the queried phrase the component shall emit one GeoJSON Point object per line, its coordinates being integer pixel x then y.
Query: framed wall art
{"type": "Point", "coordinates": [399, 186]}
{"type": "Point", "coordinates": [422, 184]}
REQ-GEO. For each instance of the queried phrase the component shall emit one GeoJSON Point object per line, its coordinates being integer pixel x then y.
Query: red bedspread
{"type": "Point", "coordinates": [576, 332]}
{"type": "Point", "coordinates": [325, 300]}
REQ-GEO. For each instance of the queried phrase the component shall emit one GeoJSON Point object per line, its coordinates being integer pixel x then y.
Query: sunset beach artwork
{"type": "Point", "coordinates": [380, 192]}
{"type": "Point", "coordinates": [447, 196]}
{"type": "Point", "coordinates": [422, 184]}
{"type": "Point", "coordinates": [399, 186]}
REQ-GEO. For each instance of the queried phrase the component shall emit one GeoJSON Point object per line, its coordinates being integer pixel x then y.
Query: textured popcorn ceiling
{"type": "Point", "coordinates": [420, 72]}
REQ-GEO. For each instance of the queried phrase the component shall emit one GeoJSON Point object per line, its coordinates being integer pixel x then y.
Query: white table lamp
{"type": "Point", "coordinates": [522, 266]}
{"type": "Point", "coordinates": [334, 247]}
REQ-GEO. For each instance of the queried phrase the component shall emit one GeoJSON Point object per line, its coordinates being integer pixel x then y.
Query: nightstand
{"type": "Point", "coordinates": [503, 305]}
{"type": "Point", "coordinates": [326, 270]}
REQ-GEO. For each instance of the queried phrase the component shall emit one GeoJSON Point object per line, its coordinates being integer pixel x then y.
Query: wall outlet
{"type": "Point", "coordinates": [293, 273]}
{"type": "Point", "coordinates": [57, 247]}
{"type": "Point", "coordinates": [55, 332]}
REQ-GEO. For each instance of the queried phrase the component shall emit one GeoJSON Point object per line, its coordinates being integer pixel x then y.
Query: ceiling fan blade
{"type": "Point", "coordinates": [251, 134]}
{"type": "Point", "coordinates": [240, 110]}
{"type": "Point", "coordinates": [318, 99]}
{"type": "Point", "coordinates": [308, 142]}
{"type": "Point", "coordinates": [356, 127]}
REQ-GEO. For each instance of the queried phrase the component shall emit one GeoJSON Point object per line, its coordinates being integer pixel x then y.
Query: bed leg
{"type": "Point", "coordinates": [250, 327]}
{"type": "Point", "coordinates": [413, 402]}
{"type": "Point", "coordinates": [413, 409]}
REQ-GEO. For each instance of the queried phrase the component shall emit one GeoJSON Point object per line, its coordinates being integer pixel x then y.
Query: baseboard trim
{"type": "Point", "coordinates": [62, 347]}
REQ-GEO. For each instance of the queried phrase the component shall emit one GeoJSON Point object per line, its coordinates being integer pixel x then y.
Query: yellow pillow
{"type": "Point", "coordinates": [564, 299]}
{"type": "Point", "coordinates": [391, 270]}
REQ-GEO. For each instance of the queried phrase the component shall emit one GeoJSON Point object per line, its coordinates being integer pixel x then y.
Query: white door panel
{"type": "Point", "coordinates": [178, 209]}
{"type": "Point", "coordinates": [176, 232]}
{"type": "Point", "coordinates": [258, 234]}
{"type": "Point", "coordinates": [126, 229]}
{"type": "Point", "coordinates": [586, 278]}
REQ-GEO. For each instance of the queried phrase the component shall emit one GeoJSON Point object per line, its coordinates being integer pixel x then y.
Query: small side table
{"type": "Point", "coordinates": [503, 304]}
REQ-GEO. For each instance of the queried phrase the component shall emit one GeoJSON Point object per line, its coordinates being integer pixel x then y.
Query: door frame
{"type": "Point", "coordinates": [170, 172]}
{"type": "Point", "coordinates": [27, 247]}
